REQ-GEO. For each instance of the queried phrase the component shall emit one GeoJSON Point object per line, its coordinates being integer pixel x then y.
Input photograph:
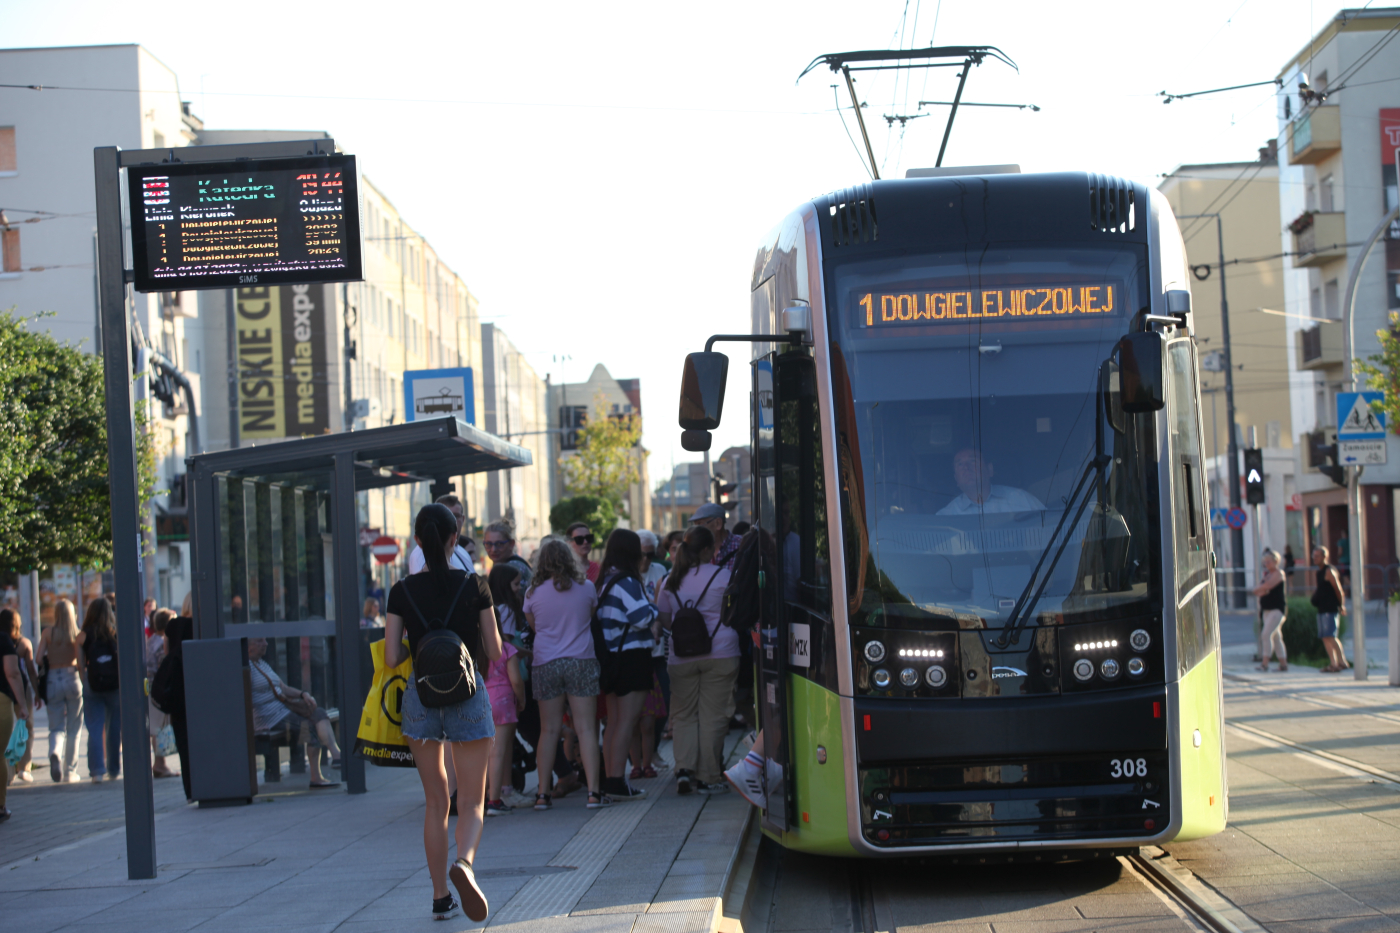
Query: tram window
{"type": "Point", "coordinates": [801, 486]}
{"type": "Point", "coordinates": [1191, 547]}
{"type": "Point", "coordinates": [1190, 499]}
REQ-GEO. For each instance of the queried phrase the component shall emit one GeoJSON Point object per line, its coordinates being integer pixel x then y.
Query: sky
{"type": "Point", "coordinates": [601, 174]}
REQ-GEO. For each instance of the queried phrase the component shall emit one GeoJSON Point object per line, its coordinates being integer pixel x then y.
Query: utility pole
{"type": "Point", "coordinates": [1356, 528]}
{"type": "Point", "coordinates": [1232, 450]}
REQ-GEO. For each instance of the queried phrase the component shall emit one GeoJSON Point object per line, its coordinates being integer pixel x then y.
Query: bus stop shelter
{"type": "Point", "coordinates": [275, 548]}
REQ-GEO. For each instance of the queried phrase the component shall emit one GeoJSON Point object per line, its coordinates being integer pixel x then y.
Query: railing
{"type": "Point", "coordinates": [1381, 581]}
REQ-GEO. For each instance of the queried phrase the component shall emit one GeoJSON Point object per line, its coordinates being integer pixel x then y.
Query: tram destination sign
{"type": "Point", "coordinates": [245, 223]}
{"type": "Point", "coordinates": [1029, 303]}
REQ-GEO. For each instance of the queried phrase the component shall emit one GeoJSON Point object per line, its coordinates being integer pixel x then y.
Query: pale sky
{"type": "Point", "coordinates": [600, 175]}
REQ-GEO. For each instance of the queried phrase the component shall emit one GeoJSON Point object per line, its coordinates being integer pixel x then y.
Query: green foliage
{"type": "Point", "coordinates": [594, 511]}
{"type": "Point", "coordinates": [608, 456]}
{"type": "Point", "coordinates": [1300, 631]}
{"type": "Point", "coordinates": [54, 499]}
{"type": "Point", "coordinates": [1382, 371]}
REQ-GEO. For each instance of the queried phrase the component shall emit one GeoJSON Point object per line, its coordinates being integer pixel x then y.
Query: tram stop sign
{"type": "Point", "coordinates": [385, 549]}
{"type": "Point", "coordinates": [1236, 518]}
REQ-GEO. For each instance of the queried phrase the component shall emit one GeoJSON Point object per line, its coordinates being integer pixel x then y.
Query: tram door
{"type": "Point", "coordinates": [795, 624]}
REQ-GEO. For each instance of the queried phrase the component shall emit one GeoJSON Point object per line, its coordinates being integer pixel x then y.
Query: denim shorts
{"type": "Point", "coordinates": [461, 722]}
{"type": "Point", "coordinates": [1326, 625]}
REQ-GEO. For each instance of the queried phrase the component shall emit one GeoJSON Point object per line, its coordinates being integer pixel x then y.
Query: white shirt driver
{"type": "Point", "coordinates": [999, 499]}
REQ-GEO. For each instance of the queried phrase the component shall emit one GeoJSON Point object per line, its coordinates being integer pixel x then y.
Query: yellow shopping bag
{"type": "Point", "coordinates": [380, 740]}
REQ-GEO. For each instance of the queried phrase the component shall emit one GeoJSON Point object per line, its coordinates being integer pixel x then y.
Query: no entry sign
{"type": "Point", "coordinates": [385, 549]}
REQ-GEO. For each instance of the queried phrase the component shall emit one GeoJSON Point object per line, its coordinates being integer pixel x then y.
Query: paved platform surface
{"type": "Point", "coordinates": [324, 860]}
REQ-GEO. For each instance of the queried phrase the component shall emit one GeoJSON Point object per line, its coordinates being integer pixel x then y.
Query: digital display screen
{"type": "Point", "coordinates": [1014, 303]}
{"type": "Point", "coordinates": [247, 223]}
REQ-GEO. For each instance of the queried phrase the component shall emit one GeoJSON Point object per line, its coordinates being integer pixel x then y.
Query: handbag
{"type": "Point", "coordinates": [19, 741]}
{"type": "Point", "coordinates": [298, 705]}
{"type": "Point", "coordinates": [690, 636]}
{"type": "Point", "coordinates": [380, 738]}
{"type": "Point", "coordinates": [165, 741]}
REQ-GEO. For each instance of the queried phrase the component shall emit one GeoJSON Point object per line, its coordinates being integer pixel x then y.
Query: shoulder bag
{"type": "Point", "coordinates": [299, 705]}
{"type": "Point", "coordinates": [690, 636]}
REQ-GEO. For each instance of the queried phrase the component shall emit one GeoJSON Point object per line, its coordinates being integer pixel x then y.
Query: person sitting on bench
{"type": "Point", "coordinates": [278, 707]}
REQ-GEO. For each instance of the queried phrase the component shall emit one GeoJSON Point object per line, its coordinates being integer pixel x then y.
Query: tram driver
{"type": "Point", "coordinates": [973, 474]}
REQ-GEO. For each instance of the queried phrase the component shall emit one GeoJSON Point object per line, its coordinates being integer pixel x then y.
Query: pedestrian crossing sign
{"type": "Point", "coordinates": [1359, 416]}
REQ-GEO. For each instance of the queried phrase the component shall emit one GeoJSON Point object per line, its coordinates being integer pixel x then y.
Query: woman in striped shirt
{"type": "Point", "coordinates": [626, 616]}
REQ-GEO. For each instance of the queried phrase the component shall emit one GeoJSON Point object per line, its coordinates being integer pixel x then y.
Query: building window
{"type": "Point", "coordinates": [1315, 304]}
{"type": "Point", "coordinates": [8, 162]}
{"type": "Point", "coordinates": [1326, 195]}
{"type": "Point", "coordinates": [9, 247]}
{"type": "Point", "coordinates": [1332, 300]}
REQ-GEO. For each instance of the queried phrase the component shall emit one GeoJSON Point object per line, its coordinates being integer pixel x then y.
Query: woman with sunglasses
{"type": "Point", "coordinates": [581, 540]}
{"type": "Point", "coordinates": [499, 541]}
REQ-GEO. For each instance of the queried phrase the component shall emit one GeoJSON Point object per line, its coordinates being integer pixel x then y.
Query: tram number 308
{"type": "Point", "coordinates": [1128, 767]}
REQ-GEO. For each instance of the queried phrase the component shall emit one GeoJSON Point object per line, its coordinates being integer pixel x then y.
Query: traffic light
{"type": "Point", "coordinates": [1254, 476]}
{"type": "Point", "coordinates": [1320, 453]}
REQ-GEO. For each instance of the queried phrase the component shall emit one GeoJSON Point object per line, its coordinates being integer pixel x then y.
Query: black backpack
{"type": "Point", "coordinates": [743, 595]}
{"type": "Point", "coordinates": [168, 685]}
{"type": "Point", "coordinates": [690, 636]}
{"type": "Point", "coordinates": [443, 670]}
{"type": "Point", "coordinates": [102, 665]}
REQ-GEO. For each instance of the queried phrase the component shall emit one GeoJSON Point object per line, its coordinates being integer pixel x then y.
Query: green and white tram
{"type": "Point", "coordinates": [989, 617]}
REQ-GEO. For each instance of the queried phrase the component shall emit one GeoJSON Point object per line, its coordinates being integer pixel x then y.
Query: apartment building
{"type": "Point", "coordinates": [515, 405]}
{"type": "Point", "coordinates": [570, 407]}
{"type": "Point", "coordinates": [1339, 127]}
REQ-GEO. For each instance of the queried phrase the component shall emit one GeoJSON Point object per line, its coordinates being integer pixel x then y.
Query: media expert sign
{"type": "Point", "coordinates": [436, 393]}
{"type": "Point", "coordinates": [280, 339]}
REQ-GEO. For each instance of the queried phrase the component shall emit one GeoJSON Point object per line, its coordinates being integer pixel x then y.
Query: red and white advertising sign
{"type": "Point", "coordinates": [385, 549]}
{"type": "Point", "coordinates": [367, 536]}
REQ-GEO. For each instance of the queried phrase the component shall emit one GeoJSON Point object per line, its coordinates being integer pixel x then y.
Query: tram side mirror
{"type": "Point", "coordinates": [702, 397]}
{"type": "Point", "coordinates": [1142, 386]}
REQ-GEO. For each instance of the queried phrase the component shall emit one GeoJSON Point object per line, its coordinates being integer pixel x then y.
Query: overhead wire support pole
{"type": "Point", "coordinates": [1232, 449]}
{"type": "Point", "coordinates": [1356, 528]}
{"type": "Point", "coordinates": [860, 121]}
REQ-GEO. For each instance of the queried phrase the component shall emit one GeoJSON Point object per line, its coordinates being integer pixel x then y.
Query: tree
{"type": "Point", "coordinates": [606, 462]}
{"type": "Point", "coordinates": [55, 504]}
{"type": "Point", "coordinates": [1382, 371]}
{"type": "Point", "coordinates": [594, 511]}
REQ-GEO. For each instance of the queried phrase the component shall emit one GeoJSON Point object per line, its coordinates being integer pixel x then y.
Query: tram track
{"type": "Point", "coordinates": [1329, 759]}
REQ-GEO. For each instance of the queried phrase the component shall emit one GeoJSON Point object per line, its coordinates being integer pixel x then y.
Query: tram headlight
{"type": "Point", "coordinates": [881, 678]}
{"type": "Point", "coordinates": [909, 677]}
{"type": "Point", "coordinates": [1137, 667]}
{"type": "Point", "coordinates": [1083, 670]}
{"type": "Point", "coordinates": [874, 651]}
{"type": "Point", "coordinates": [936, 676]}
{"type": "Point", "coordinates": [1140, 639]}
{"type": "Point", "coordinates": [1110, 669]}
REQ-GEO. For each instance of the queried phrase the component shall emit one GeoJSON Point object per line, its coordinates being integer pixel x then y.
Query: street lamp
{"type": "Point", "coordinates": [1232, 450]}
{"type": "Point", "coordinates": [1355, 527]}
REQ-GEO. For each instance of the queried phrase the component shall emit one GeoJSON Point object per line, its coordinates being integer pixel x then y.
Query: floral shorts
{"type": "Point", "coordinates": [461, 722]}
{"type": "Point", "coordinates": [575, 677]}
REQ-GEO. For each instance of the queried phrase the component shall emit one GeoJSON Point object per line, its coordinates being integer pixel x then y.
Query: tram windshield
{"type": "Point", "coordinates": [974, 395]}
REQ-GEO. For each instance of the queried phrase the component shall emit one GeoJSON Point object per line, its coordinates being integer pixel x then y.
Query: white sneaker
{"type": "Point", "coordinates": [748, 781]}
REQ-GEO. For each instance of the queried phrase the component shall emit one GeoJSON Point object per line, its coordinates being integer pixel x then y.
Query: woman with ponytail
{"type": "Point", "coordinates": [702, 686]}
{"type": "Point", "coordinates": [458, 601]}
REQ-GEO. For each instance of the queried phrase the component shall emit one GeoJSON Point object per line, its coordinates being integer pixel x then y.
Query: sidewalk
{"type": "Point", "coordinates": [324, 860]}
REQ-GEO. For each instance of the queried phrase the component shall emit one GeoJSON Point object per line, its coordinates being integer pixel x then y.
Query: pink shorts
{"type": "Point", "coordinates": [502, 706]}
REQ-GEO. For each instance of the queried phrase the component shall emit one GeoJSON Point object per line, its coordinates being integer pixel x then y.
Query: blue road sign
{"type": "Point", "coordinates": [1236, 518]}
{"type": "Point", "coordinates": [432, 393]}
{"type": "Point", "coordinates": [1217, 520]}
{"type": "Point", "coordinates": [1359, 416]}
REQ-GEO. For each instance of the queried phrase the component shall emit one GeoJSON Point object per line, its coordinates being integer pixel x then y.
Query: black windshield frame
{"type": "Point", "coordinates": [1058, 368]}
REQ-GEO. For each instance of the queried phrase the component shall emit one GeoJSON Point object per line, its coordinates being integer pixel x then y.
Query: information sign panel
{"type": "Point", "coordinates": [433, 393]}
{"type": "Point", "coordinates": [244, 223]}
{"type": "Point", "coordinates": [1361, 453]}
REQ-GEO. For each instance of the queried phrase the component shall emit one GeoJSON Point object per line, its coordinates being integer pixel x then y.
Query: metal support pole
{"type": "Point", "coordinates": [345, 536]}
{"type": "Point", "coordinates": [860, 119]}
{"type": "Point", "coordinates": [957, 98]}
{"type": "Point", "coordinates": [1356, 528]}
{"type": "Point", "coordinates": [126, 525]}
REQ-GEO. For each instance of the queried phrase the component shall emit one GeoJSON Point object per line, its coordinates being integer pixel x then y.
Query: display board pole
{"type": "Point", "coordinates": [126, 525]}
{"type": "Point", "coordinates": [346, 556]}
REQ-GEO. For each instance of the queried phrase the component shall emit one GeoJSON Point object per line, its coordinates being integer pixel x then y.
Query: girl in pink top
{"type": "Point", "coordinates": [506, 689]}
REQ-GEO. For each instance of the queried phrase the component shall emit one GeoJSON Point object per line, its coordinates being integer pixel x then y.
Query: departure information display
{"type": "Point", "coordinates": [245, 223]}
{"type": "Point", "coordinates": [1030, 302]}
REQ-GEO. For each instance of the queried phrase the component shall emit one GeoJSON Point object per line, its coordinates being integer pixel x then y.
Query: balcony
{"type": "Point", "coordinates": [1319, 239]}
{"type": "Point", "coordinates": [1317, 135]}
{"type": "Point", "coordinates": [1320, 346]}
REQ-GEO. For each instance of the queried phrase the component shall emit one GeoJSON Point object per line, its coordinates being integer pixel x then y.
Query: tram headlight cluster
{"type": "Point", "coordinates": [907, 663]}
{"type": "Point", "coordinates": [1101, 654]}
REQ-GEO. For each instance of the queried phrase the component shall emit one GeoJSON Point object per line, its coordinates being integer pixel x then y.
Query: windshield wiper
{"type": "Point", "coordinates": [1030, 595]}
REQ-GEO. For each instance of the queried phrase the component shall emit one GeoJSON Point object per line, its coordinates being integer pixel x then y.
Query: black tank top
{"type": "Point", "coordinates": [1325, 597]}
{"type": "Point", "coordinates": [1274, 599]}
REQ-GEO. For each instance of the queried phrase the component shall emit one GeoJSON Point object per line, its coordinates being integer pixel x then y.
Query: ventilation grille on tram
{"type": "Point", "coordinates": [1111, 205]}
{"type": "Point", "coordinates": [853, 217]}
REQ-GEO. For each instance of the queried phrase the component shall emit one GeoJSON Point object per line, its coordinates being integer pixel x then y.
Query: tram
{"type": "Point", "coordinates": [988, 614]}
